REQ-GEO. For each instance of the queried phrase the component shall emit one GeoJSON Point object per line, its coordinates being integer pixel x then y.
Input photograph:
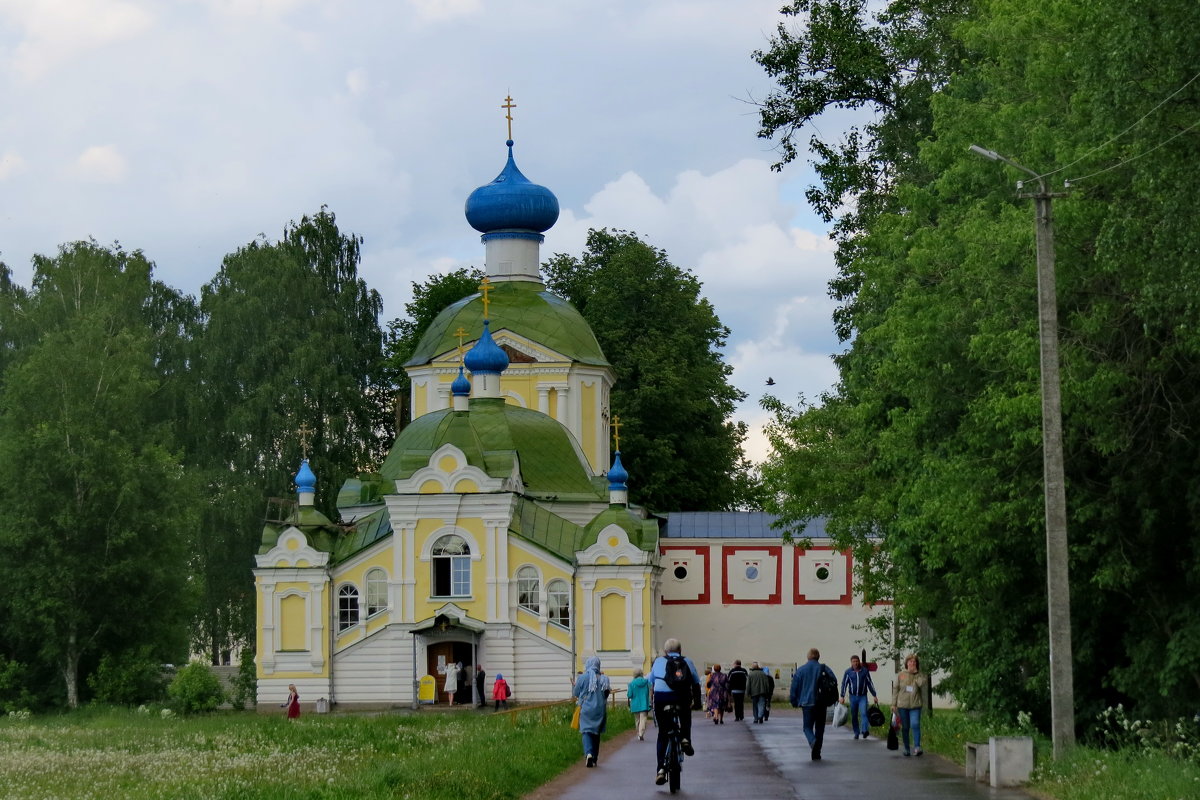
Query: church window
{"type": "Point", "coordinates": [451, 567]}
{"type": "Point", "coordinates": [680, 572]}
{"type": "Point", "coordinates": [752, 572]}
{"type": "Point", "coordinates": [377, 592]}
{"type": "Point", "coordinates": [347, 607]}
{"type": "Point", "coordinates": [822, 572]}
{"type": "Point", "coordinates": [529, 590]}
{"type": "Point", "coordinates": [558, 600]}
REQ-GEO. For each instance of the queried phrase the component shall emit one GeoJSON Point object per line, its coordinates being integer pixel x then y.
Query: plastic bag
{"type": "Point", "coordinates": [839, 715]}
{"type": "Point", "coordinates": [575, 719]}
{"type": "Point", "coordinates": [875, 716]}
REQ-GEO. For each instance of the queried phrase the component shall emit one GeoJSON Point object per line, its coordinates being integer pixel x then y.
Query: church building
{"type": "Point", "coordinates": [498, 530]}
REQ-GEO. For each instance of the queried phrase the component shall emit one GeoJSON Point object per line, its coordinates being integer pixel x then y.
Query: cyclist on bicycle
{"type": "Point", "coordinates": [681, 693]}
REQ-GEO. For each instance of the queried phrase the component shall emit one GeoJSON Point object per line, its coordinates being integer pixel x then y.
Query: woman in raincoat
{"type": "Point", "coordinates": [591, 692]}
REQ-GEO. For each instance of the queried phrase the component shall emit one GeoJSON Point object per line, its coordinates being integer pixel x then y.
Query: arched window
{"type": "Point", "coordinates": [558, 602]}
{"type": "Point", "coordinates": [529, 590]}
{"type": "Point", "coordinates": [451, 567]}
{"type": "Point", "coordinates": [347, 607]}
{"type": "Point", "coordinates": [377, 592]}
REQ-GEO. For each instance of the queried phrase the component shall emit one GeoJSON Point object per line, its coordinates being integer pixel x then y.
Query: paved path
{"type": "Point", "coordinates": [742, 760]}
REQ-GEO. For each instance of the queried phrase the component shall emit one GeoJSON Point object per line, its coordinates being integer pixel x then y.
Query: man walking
{"type": "Point", "coordinates": [480, 678]}
{"type": "Point", "coordinates": [858, 681]}
{"type": "Point", "coordinates": [806, 695]}
{"type": "Point", "coordinates": [758, 684]}
{"type": "Point", "coordinates": [737, 688]}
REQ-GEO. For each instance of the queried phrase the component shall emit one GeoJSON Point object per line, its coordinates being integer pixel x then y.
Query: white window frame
{"type": "Point", "coordinates": [377, 591]}
{"type": "Point", "coordinates": [460, 567]}
{"type": "Point", "coordinates": [349, 612]}
{"type": "Point", "coordinates": [551, 592]}
{"type": "Point", "coordinates": [529, 585]}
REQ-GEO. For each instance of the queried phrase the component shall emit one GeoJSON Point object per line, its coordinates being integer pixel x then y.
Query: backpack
{"type": "Point", "coordinates": [679, 674]}
{"type": "Point", "coordinates": [827, 688]}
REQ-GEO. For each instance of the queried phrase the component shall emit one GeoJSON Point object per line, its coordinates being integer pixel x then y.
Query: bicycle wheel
{"type": "Point", "coordinates": [674, 768]}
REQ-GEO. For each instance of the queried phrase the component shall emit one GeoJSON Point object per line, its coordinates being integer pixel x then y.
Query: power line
{"type": "Point", "coordinates": [1132, 158]}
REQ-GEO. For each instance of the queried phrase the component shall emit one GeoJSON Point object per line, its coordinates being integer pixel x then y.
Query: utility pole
{"type": "Point", "coordinates": [1058, 584]}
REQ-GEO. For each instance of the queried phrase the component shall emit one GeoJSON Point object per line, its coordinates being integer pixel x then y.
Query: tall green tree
{"type": "Point", "coordinates": [927, 454]}
{"type": "Point", "coordinates": [97, 505]}
{"type": "Point", "coordinates": [672, 393]}
{"type": "Point", "coordinates": [289, 337]}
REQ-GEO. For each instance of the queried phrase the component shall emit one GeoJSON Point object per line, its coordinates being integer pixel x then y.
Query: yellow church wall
{"type": "Point", "coordinates": [291, 625]}
{"type": "Point", "coordinates": [587, 420]}
{"type": "Point", "coordinates": [425, 604]}
{"type": "Point", "coordinates": [293, 619]}
{"type": "Point", "coordinates": [523, 384]}
{"type": "Point", "coordinates": [419, 405]}
{"type": "Point", "coordinates": [613, 618]}
{"type": "Point", "coordinates": [553, 399]}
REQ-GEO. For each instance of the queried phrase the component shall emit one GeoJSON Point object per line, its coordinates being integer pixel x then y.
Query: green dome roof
{"type": "Point", "coordinates": [523, 307]}
{"type": "Point", "coordinates": [643, 533]}
{"type": "Point", "coordinates": [493, 435]}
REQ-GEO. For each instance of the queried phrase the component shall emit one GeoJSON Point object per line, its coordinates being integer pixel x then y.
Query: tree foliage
{"type": "Point", "coordinates": [927, 454]}
{"type": "Point", "coordinates": [672, 392]}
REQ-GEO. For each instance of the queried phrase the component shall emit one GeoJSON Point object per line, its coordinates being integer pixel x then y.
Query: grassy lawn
{"type": "Point", "coordinates": [1088, 773]}
{"type": "Point", "coordinates": [119, 755]}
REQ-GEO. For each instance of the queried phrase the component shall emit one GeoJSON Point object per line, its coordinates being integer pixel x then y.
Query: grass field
{"type": "Point", "coordinates": [124, 755]}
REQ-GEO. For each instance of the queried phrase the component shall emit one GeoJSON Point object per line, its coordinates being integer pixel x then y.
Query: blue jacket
{"type": "Point", "coordinates": [658, 674]}
{"type": "Point", "coordinates": [859, 683]}
{"type": "Point", "coordinates": [639, 694]}
{"type": "Point", "coordinates": [804, 683]}
{"type": "Point", "coordinates": [592, 690]}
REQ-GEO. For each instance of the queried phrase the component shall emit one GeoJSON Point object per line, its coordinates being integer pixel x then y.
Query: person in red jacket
{"type": "Point", "coordinates": [500, 691]}
{"type": "Point", "coordinates": [293, 702]}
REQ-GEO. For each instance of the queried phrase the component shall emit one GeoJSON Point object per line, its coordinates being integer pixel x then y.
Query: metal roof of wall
{"type": "Point", "coordinates": [734, 525]}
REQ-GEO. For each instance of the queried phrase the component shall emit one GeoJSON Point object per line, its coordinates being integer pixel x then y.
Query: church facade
{"type": "Point", "coordinates": [498, 530]}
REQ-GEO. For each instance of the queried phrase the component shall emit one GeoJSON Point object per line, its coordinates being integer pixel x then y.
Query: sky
{"type": "Point", "coordinates": [186, 128]}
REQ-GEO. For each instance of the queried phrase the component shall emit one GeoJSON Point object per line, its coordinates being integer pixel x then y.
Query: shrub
{"type": "Point", "coordinates": [196, 689]}
{"type": "Point", "coordinates": [128, 679]}
{"type": "Point", "coordinates": [245, 683]}
{"type": "Point", "coordinates": [14, 695]}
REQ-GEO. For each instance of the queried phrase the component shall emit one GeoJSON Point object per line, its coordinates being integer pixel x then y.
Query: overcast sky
{"type": "Point", "coordinates": [185, 128]}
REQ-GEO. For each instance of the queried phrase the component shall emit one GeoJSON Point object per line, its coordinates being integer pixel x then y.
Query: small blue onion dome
{"type": "Point", "coordinates": [512, 202]}
{"type": "Point", "coordinates": [306, 480]}
{"type": "Point", "coordinates": [617, 476]}
{"type": "Point", "coordinates": [461, 386]}
{"type": "Point", "coordinates": [486, 355]}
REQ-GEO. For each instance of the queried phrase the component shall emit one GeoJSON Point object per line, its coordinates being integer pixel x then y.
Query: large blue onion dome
{"type": "Point", "coordinates": [617, 475]}
{"type": "Point", "coordinates": [512, 203]}
{"type": "Point", "coordinates": [461, 386]}
{"type": "Point", "coordinates": [486, 355]}
{"type": "Point", "coordinates": [306, 479]}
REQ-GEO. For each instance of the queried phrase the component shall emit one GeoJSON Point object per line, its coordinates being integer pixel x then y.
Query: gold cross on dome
{"type": "Point", "coordinates": [461, 333]}
{"type": "Point", "coordinates": [508, 106]}
{"type": "Point", "coordinates": [304, 432]}
{"type": "Point", "coordinates": [484, 288]}
{"type": "Point", "coordinates": [616, 432]}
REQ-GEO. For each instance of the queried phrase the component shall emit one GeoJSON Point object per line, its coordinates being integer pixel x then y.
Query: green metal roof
{"type": "Point", "coordinates": [523, 307]}
{"type": "Point", "coordinates": [643, 533]}
{"type": "Point", "coordinates": [316, 527]}
{"type": "Point", "coordinates": [366, 531]}
{"type": "Point", "coordinates": [495, 435]}
{"type": "Point", "coordinates": [545, 529]}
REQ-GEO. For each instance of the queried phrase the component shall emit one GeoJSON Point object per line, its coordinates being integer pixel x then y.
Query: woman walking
{"type": "Point", "coordinates": [293, 702]}
{"type": "Point", "coordinates": [451, 686]}
{"type": "Point", "coordinates": [591, 692]}
{"type": "Point", "coordinates": [639, 702]}
{"type": "Point", "coordinates": [718, 694]}
{"type": "Point", "coordinates": [908, 699]}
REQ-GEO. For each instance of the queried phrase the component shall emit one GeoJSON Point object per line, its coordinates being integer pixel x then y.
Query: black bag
{"type": "Point", "coordinates": [679, 675]}
{"type": "Point", "coordinates": [827, 688]}
{"type": "Point", "coordinates": [875, 716]}
{"type": "Point", "coordinates": [893, 742]}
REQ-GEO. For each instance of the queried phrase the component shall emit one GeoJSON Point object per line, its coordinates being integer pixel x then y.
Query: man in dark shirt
{"type": "Point", "coordinates": [737, 688]}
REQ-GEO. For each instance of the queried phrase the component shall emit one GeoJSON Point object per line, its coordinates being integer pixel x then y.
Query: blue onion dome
{"type": "Point", "coordinates": [306, 480]}
{"type": "Point", "coordinates": [486, 355]}
{"type": "Point", "coordinates": [512, 203]}
{"type": "Point", "coordinates": [461, 386]}
{"type": "Point", "coordinates": [617, 476]}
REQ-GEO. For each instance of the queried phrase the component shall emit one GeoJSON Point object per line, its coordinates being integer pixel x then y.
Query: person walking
{"type": "Point", "coordinates": [450, 687]}
{"type": "Point", "coordinates": [737, 690]}
{"type": "Point", "coordinates": [856, 683]}
{"type": "Point", "coordinates": [804, 694]}
{"type": "Point", "coordinates": [480, 682]}
{"type": "Point", "coordinates": [462, 696]}
{"type": "Point", "coordinates": [500, 692]}
{"type": "Point", "coordinates": [683, 694]}
{"type": "Point", "coordinates": [758, 686]}
{"type": "Point", "coordinates": [638, 696]}
{"type": "Point", "coordinates": [908, 698]}
{"type": "Point", "coordinates": [292, 704]}
{"type": "Point", "coordinates": [591, 690]}
{"type": "Point", "coordinates": [718, 694]}
{"type": "Point", "coordinates": [770, 694]}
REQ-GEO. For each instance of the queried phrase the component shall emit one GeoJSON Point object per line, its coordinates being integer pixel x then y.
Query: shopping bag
{"type": "Point", "coordinates": [875, 716]}
{"type": "Point", "coordinates": [575, 719]}
{"type": "Point", "coordinates": [839, 715]}
{"type": "Point", "coordinates": [893, 739]}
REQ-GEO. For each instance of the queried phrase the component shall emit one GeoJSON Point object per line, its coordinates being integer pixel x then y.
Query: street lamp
{"type": "Point", "coordinates": [1058, 587]}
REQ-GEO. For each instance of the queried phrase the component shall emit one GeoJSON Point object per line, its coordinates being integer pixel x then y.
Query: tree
{"type": "Point", "coordinates": [672, 392]}
{"type": "Point", "coordinates": [289, 337]}
{"type": "Point", "coordinates": [96, 503]}
{"type": "Point", "coordinates": [926, 456]}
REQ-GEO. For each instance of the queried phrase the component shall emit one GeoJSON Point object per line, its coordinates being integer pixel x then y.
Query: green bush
{"type": "Point", "coordinates": [196, 689]}
{"type": "Point", "coordinates": [245, 683]}
{"type": "Point", "coordinates": [128, 679]}
{"type": "Point", "coordinates": [14, 696]}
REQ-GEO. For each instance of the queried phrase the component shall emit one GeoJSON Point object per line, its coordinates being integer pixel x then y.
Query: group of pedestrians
{"type": "Point", "coordinates": [457, 687]}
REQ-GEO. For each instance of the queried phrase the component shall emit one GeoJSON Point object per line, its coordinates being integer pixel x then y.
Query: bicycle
{"type": "Point", "coordinates": [674, 751]}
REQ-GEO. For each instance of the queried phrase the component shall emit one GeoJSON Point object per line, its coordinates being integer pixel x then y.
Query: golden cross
{"type": "Point", "coordinates": [616, 432]}
{"type": "Point", "coordinates": [509, 105]}
{"type": "Point", "coordinates": [484, 288]}
{"type": "Point", "coordinates": [304, 432]}
{"type": "Point", "coordinates": [461, 333]}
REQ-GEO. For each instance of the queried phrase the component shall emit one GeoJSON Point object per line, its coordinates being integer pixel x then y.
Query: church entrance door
{"type": "Point", "coordinates": [442, 656]}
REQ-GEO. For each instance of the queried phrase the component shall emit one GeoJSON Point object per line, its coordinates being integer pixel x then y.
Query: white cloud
{"type": "Point", "coordinates": [11, 164]}
{"type": "Point", "coordinates": [56, 31]}
{"type": "Point", "coordinates": [101, 164]}
{"type": "Point", "coordinates": [356, 82]}
{"type": "Point", "coordinates": [443, 10]}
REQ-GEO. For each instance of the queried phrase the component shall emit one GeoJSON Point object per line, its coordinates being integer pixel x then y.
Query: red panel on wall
{"type": "Point", "coordinates": [705, 595]}
{"type": "Point", "coordinates": [773, 551]}
{"type": "Point", "coordinates": [847, 595]}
